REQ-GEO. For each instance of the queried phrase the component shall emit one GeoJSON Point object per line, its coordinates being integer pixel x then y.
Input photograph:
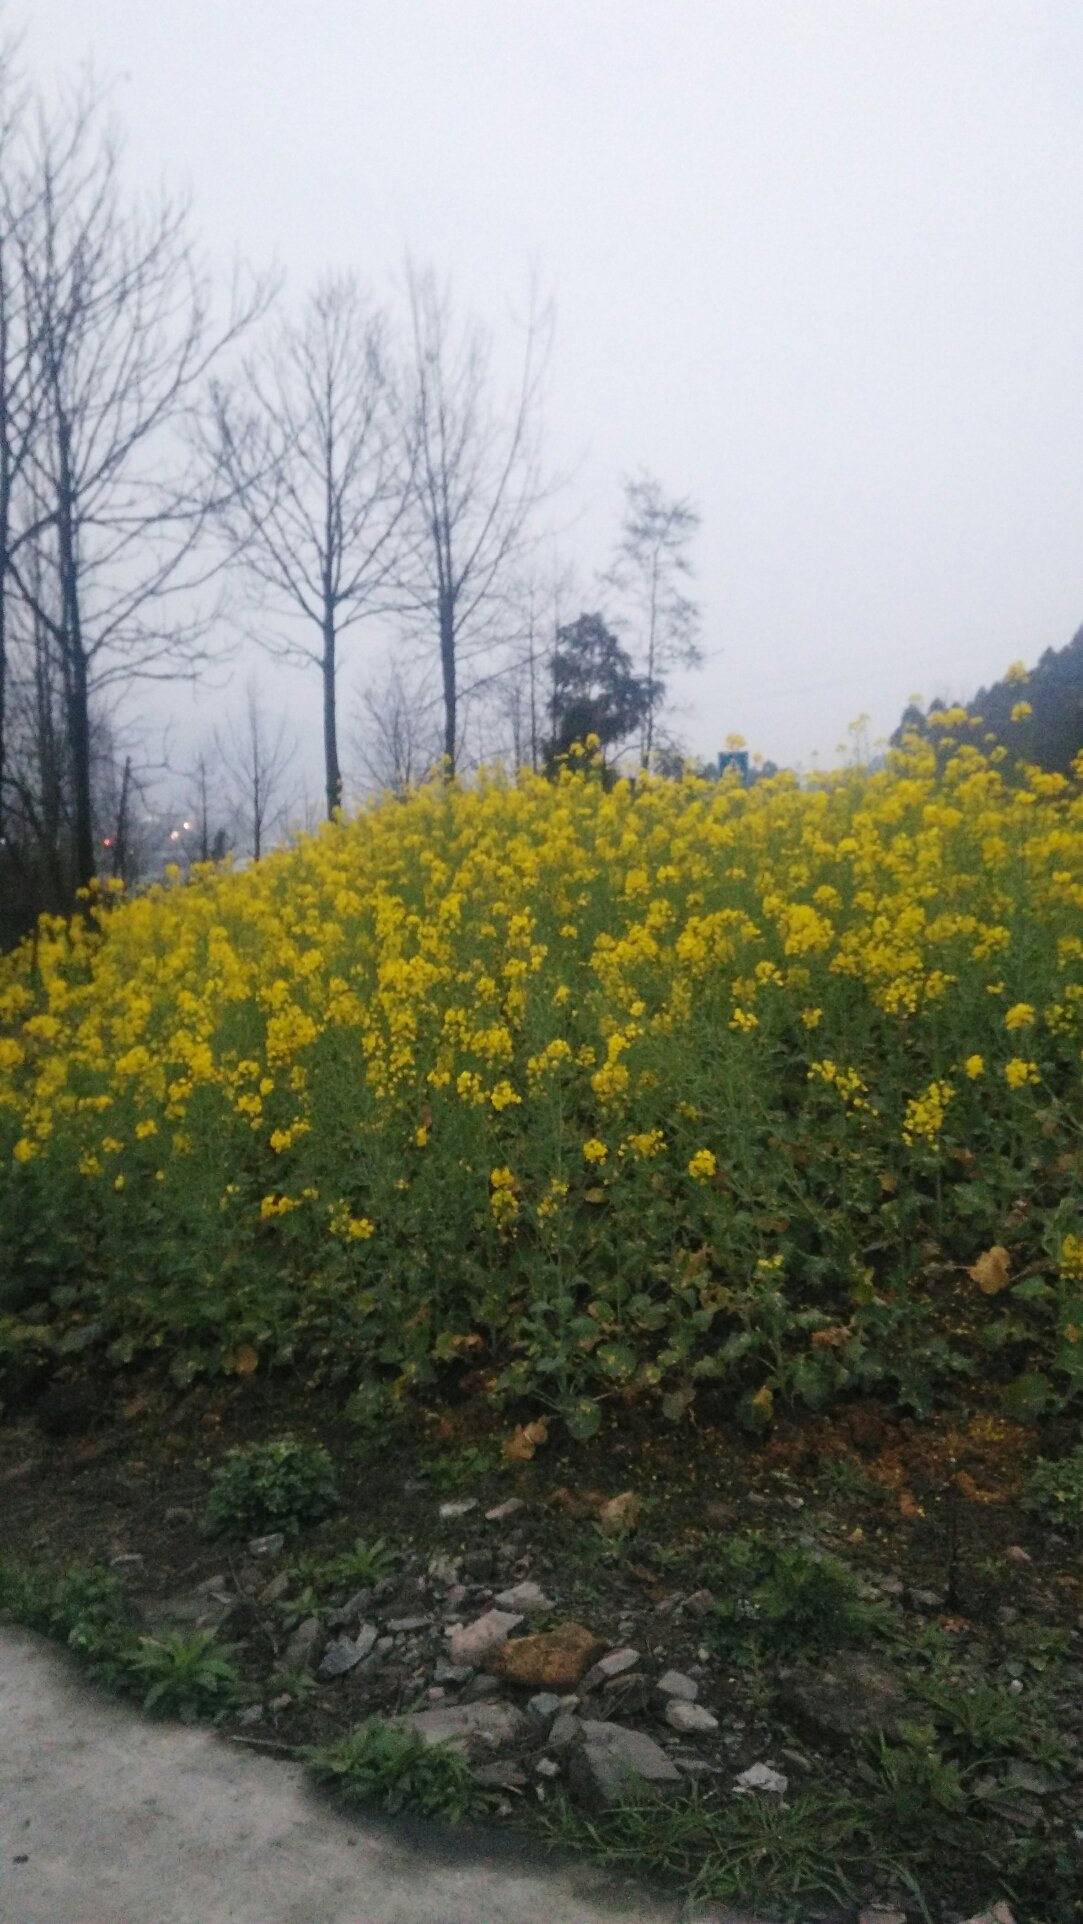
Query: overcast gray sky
{"type": "Point", "coordinates": [816, 263]}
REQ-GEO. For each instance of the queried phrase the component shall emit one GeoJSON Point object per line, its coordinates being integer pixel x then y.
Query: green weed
{"type": "Point", "coordinates": [1056, 1492]}
{"type": "Point", "coordinates": [361, 1563]}
{"type": "Point", "coordinates": [272, 1486]}
{"type": "Point", "coordinates": [380, 1763]}
{"type": "Point", "coordinates": [183, 1675]}
{"type": "Point", "coordinates": [782, 1600]}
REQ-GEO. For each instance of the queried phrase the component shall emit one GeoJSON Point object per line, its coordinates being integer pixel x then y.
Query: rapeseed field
{"type": "Point", "coordinates": [577, 1094]}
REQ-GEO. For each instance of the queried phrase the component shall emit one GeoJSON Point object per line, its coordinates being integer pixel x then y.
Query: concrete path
{"type": "Point", "coordinates": [108, 1818]}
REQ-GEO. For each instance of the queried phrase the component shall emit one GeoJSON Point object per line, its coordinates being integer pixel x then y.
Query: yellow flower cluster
{"type": "Point", "coordinates": [395, 1052]}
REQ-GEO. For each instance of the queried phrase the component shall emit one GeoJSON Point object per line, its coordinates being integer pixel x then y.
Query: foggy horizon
{"type": "Point", "coordinates": [818, 267]}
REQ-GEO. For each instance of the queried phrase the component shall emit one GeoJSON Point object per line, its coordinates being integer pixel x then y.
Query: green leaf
{"type": "Point", "coordinates": [584, 1420]}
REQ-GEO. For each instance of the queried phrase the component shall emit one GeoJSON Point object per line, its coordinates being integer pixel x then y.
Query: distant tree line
{"type": "Point", "coordinates": [186, 467]}
{"type": "Point", "coordinates": [1035, 716]}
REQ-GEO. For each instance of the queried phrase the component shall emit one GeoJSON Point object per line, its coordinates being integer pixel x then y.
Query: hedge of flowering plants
{"type": "Point", "coordinates": [573, 1094]}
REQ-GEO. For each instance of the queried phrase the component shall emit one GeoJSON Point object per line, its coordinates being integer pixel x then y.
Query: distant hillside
{"type": "Point", "coordinates": [1052, 733]}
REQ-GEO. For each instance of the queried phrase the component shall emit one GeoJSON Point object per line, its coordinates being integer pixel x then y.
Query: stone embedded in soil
{"type": "Point", "coordinates": [269, 1546]}
{"type": "Point", "coordinates": [761, 1777]}
{"type": "Point", "coordinates": [345, 1653]}
{"type": "Point", "coordinates": [613, 1664]}
{"type": "Point", "coordinates": [471, 1642]}
{"type": "Point", "coordinates": [189, 1609]}
{"type": "Point", "coordinates": [471, 1729]}
{"type": "Point", "coordinates": [503, 1511]}
{"type": "Point", "coordinates": [402, 1626]}
{"type": "Point", "coordinates": [564, 1730]}
{"type": "Point", "coordinates": [675, 1684]}
{"type": "Point", "coordinates": [545, 1706]}
{"type": "Point", "coordinates": [1015, 1553]}
{"type": "Point", "coordinates": [690, 1719]}
{"type": "Point", "coordinates": [301, 1647]}
{"type": "Point", "coordinates": [276, 1589]}
{"type": "Point", "coordinates": [845, 1696]}
{"type": "Point", "coordinates": [523, 1596]}
{"type": "Point", "coordinates": [698, 1604]}
{"type": "Point", "coordinates": [349, 1612]}
{"type": "Point", "coordinates": [460, 1506]}
{"type": "Point", "coordinates": [881, 1914]}
{"type": "Point", "coordinates": [453, 1673]}
{"type": "Point", "coordinates": [551, 1660]}
{"type": "Point", "coordinates": [999, 1914]}
{"type": "Point", "coordinates": [481, 1685]}
{"type": "Point", "coordinates": [610, 1762]}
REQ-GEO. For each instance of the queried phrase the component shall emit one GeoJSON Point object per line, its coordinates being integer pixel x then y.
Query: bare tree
{"type": "Point", "coordinates": [398, 731]}
{"type": "Point", "coordinates": [312, 442]}
{"type": "Point", "coordinates": [122, 335]}
{"type": "Point", "coordinates": [478, 483]}
{"type": "Point", "coordinates": [257, 755]}
{"type": "Point", "coordinates": [649, 567]}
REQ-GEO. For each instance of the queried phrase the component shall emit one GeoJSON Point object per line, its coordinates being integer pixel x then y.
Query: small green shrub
{"type": "Point", "coordinates": [183, 1675]}
{"type": "Point", "coordinates": [380, 1763]}
{"type": "Point", "coordinates": [783, 1600]}
{"type": "Point", "coordinates": [1056, 1492]}
{"type": "Point", "coordinates": [272, 1486]}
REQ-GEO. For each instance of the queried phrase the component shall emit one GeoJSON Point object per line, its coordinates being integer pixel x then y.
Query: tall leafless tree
{"type": "Point", "coordinates": [122, 336]}
{"type": "Point", "coordinates": [650, 566]}
{"type": "Point", "coordinates": [479, 483]}
{"type": "Point", "coordinates": [312, 441]}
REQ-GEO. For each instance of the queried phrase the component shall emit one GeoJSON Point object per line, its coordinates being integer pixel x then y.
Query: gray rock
{"type": "Point", "coordinates": [482, 1685]}
{"type": "Point", "coordinates": [690, 1719]}
{"type": "Point", "coordinates": [345, 1653]}
{"type": "Point", "coordinates": [761, 1777]}
{"type": "Point", "coordinates": [547, 1767]}
{"type": "Point", "coordinates": [845, 1695]}
{"type": "Point", "coordinates": [253, 1715]}
{"type": "Point", "coordinates": [544, 1706]}
{"type": "Point", "coordinates": [471, 1729]}
{"type": "Point", "coordinates": [675, 1684]}
{"type": "Point", "coordinates": [698, 1604]}
{"type": "Point", "coordinates": [504, 1510]}
{"type": "Point", "coordinates": [351, 1610]}
{"type": "Point", "coordinates": [564, 1730]}
{"type": "Point", "coordinates": [524, 1597]}
{"type": "Point", "coordinates": [276, 1589]}
{"type": "Point", "coordinates": [269, 1546]}
{"type": "Point", "coordinates": [460, 1506]}
{"type": "Point", "coordinates": [402, 1626]}
{"type": "Point", "coordinates": [452, 1673]}
{"type": "Point", "coordinates": [301, 1647]}
{"type": "Point", "coordinates": [186, 1610]}
{"type": "Point", "coordinates": [470, 1642]}
{"type": "Point", "coordinates": [614, 1664]}
{"type": "Point", "coordinates": [610, 1761]}
{"type": "Point", "coordinates": [127, 1560]}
